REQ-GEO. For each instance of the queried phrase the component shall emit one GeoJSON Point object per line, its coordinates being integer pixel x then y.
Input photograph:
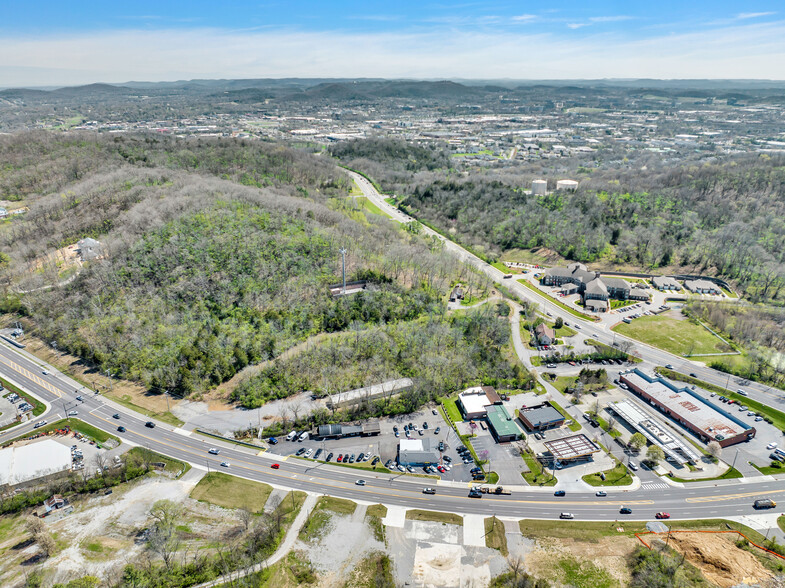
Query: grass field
{"type": "Point", "coordinates": [451, 408]}
{"type": "Point", "coordinates": [143, 454]}
{"type": "Point", "coordinates": [536, 477]}
{"type": "Point", "coordinates": [376, 510]}
{"type": "Point", "coordinates": [336, 505]}
{"type": "Point", "coordinates": [363, 202]}
{"type": "Point", "coordinates": [75, 424]}
{"type": "Point", "coordinates": [680, 337]}
{"type": "Point", "coordinates": [231, 492]}
{"type": "Point", "coordinates": [729, 475]}
{"type": "Point", "coordinates": [593, 531]}
{"type": "Point", "coordinates": [38, 407]}
{"type": "Point", "coordinates": [561, 305]}
{"type": "Point", "coordinates": [574, 425]}
{"type": "Point", "coordinates": [495, 537]}
{"type": "Point", "coordinates": [166, 417]}
{"type": "Point", "coordinates": [618, 476]}
{"type": "Point", "coordinates": [436, 517]}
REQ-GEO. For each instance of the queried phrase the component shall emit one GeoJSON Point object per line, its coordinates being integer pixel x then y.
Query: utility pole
{"type": "Point", "coordinates": [734, 459]}
{"type": "Point", "coordinates": [343, 269]}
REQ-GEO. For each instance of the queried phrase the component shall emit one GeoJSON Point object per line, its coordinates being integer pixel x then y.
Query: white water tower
{"type": "Point", "coordinates": [539, 187]}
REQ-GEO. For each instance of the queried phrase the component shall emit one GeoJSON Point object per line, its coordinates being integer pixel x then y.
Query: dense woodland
{"type": "Point", "coordinates": [723, 218]}
{"type": "Point", "coordinates": [201, 274]}
{"type": "Point", "coordinates": [439, 353]}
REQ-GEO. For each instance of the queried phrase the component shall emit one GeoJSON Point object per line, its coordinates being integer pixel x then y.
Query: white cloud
{"type": "Point", "coordinates": [577, 25]}
{"type": "Point", "coordinates": [524, 18]}
{"type": "Point", "coordinates": [616, 18]}
{"type": "Point", "coordinates": [748, 15]}
{"type": "Point", "coordinates": [748, 51]}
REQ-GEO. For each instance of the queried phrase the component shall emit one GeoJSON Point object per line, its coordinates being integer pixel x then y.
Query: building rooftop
{"type": "Point", "coordinates": [684, 404]}
{"type": "Point", "coordinates": [542, 415]}
{"type": "Point", "coordinates": [571, 447]}
{"type": "Point", "coordinates": [475, 400]}
{"type": "Point", "coordinates": [502, 422]}
{"type": "Point", "coordinates": [22, 463]}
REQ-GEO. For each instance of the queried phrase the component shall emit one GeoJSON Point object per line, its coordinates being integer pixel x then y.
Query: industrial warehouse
{"type": "Point", "coordinates": [704, 419]}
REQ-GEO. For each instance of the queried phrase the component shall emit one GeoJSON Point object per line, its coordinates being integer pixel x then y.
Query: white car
{"type": "Point", "coordinates": [45, 372]}
{"type": "Point", "coordinates": [214, 451]}
{"type": "Point", "coordinates": [771, 445]}
{"type": "Point", "coordinates": [225, 464]}
{"type": "Point", "coordinates": [360, 482]}
{"type": "Point", "coordinates": [309, 453]}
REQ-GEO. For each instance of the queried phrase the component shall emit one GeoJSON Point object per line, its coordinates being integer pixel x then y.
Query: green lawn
{"type": "Point", "coordinates": [38, 407]}
{"type": "Point", "coordinates": [594, 531]}
{"type": "Point", "coordinates": [376, 510]}
{"type": "Point", "coordinates": [166, 417]}
{"type": "Point", "coordinates": [75, 424]}
{"type": "Point", "coordinates": [336, 505]}
{"type": "Point", "coordinates": [561, 305]}
{"type": "Point", "coordinates": [536, 477]}
{"type": "Point", "coordinates": [365, 203]}
{"type": "Point", "coordinates": [495, 536]}
{"type": "Point", "coordinates": [618, 476]}
{"type": "Point", "coordinates": [447, 518]}
{"type": "Point", "coordinates": [232, 492]}
{"type": "Point", "coordinates": [451, 408]}
{"type": "Point", "coordinates": [770, 470]}
{"type": "Point", "coordinates": [142, 455]}
{"type": "Point", "coordinates": [575, 425]}
{"type": "Point", "coordinates": [680, 337]}
{"type": "Point", "coordinates": [565, 332]}
{"type": "Point", "coordinates": [730, 474]}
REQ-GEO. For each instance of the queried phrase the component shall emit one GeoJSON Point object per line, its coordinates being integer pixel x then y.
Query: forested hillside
{"type": "Point", "coordinates": [200, 275]}
{"type": "Point", "coordinates": [438, 354]}
{"type": "Point", "coordinates": [725, 218]}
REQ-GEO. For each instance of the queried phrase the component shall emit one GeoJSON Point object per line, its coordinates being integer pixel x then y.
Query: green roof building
{"type": "Point", "coordinates": [502, 425]}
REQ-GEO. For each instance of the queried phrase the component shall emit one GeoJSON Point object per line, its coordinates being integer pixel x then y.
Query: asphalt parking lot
{"type": "Point", "coordinates": [385, 445]}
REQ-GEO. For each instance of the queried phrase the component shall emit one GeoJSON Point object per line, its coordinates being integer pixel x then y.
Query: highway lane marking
{"type": "Point", "coordinates": [28, 374]}
{"type": "Point", "coordinates": [330, 483]}
{"type": "Point", "coordinates": [732, 496]}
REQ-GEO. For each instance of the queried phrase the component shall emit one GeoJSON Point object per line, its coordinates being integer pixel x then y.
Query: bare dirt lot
{"type": "Point", "coordinates": [98, 537]}
{"type": "Point", "coordinates": [719, 559]}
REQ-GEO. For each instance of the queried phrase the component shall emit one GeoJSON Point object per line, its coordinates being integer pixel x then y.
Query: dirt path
{"type": "Point", "coordinates": [218, 398]}
{"type": "Point", "coordinates": [284, 548]}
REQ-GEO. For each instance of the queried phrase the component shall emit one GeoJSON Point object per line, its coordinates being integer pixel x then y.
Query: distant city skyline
{"type": "Point", "coordinates": [48, 43]}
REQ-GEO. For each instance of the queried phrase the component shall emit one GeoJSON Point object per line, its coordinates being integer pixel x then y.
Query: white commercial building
{"type": "Point", "coordinates": [25, 463]}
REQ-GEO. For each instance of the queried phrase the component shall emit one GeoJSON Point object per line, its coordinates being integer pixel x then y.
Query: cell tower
{"type": "Point", "coordinates": [343, 271]}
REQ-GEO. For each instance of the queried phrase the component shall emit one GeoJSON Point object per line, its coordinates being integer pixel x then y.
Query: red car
{"type": "Point", "coordinates": [662, 515]}
{"type": "Point", "coordinates": [275, 466]}
{"type": "Point", "coordinates": [441, 469]}
{"type": "Point", "coordinates": [340, 458]}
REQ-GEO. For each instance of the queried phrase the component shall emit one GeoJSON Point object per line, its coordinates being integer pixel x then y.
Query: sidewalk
{"type": "Point", "coordinates": [284, 548]}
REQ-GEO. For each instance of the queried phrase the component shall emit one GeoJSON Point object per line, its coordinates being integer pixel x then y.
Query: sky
{"type": "Point", "coordinates": [53, 43]}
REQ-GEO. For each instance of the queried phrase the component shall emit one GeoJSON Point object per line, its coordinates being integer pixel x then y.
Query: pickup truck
{"type": "Point", "coordinates": [494, 490]}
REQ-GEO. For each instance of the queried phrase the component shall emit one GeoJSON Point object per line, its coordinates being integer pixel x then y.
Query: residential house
{"type": "Point", "coordinates": [544, 334]}
{"type": "Point", "coordinates": [89, 249]}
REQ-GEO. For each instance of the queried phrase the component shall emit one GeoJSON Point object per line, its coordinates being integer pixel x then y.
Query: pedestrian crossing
{"type": "Point", "coordinates": [653, 485]}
